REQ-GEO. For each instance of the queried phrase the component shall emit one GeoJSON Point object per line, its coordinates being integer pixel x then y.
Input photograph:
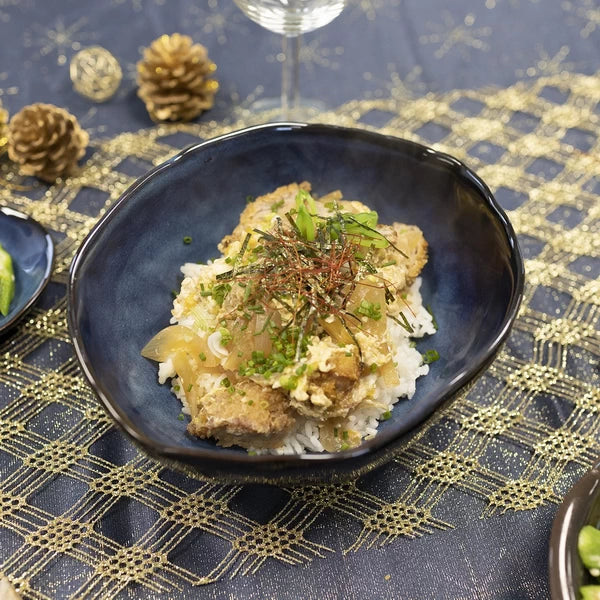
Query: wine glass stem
{"type": "Point", "coordinates": [290, 74]}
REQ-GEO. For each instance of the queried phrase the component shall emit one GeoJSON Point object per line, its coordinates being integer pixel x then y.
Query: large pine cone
{"type": "Point", "coordinates": [173, 79]}
{"type": "Point", "coordinates": [45, 141]}
{"type": "Point", "coordinates": [3, 128]}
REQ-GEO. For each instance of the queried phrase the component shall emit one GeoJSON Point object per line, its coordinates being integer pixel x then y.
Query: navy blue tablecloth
{"type": "Point", "coordinates": [512, 88]}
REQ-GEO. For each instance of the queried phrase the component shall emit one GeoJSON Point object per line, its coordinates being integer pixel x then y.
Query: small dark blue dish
{"type": "Point", "coordinates": [32, 253]}
{"type": "Point", "coordinates": [580, 507]}
{"type": "Point", "coordinates": [122, 277]}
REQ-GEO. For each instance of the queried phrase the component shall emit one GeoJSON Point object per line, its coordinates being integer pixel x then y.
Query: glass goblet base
{"type": "Point", "coordinates": [304, 109]}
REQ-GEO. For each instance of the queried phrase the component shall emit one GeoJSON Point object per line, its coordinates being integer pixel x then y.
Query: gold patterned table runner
{"type": "Point", "coordinates": [514, 439]}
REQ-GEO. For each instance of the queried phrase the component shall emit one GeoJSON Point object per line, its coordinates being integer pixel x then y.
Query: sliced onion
{"type": "Point", "coordinates": [175, 339]}
{"type": "Point", "coordinates": [215, 346]}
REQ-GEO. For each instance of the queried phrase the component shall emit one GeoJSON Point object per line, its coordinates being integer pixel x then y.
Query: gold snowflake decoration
{"type": "Point", "coordinates": [449, 35]}
{"type": "Point", "coordinates": [59, 38]}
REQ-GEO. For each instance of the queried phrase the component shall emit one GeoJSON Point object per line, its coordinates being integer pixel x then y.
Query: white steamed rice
{"type": "Point", "coordinates": [304, 437]}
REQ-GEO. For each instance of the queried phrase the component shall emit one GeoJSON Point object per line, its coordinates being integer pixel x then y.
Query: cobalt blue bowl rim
{"type": "Point", "coordinates": [47, 275]}
{"type": "Point", "coordinates": [380, 442]}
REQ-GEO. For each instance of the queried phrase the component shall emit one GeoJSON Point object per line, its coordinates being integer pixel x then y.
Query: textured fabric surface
{"type": "Point", "coordinates": [512, 88]}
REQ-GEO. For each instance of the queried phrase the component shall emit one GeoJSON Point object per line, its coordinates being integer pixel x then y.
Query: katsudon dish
{"type": "Point", "coordinates": [300, 336]}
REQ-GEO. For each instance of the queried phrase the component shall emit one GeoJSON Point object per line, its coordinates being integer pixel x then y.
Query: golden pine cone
{"type": "Point", "coordinates": [173, 79]}
{"type": "Point", "coordinates": [3, 128]}
{"type": "Point", "coordinates": [45, 141]}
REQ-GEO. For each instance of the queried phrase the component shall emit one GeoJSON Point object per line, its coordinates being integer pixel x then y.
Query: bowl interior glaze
{"type": "Point", "coordinates": [124, 273]}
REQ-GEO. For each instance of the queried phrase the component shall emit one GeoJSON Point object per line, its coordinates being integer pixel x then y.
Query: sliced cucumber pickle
{"type": "Point", "coordinates": [7, 281]}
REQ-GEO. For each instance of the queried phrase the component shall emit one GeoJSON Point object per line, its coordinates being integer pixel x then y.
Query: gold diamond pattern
{"type": "Point", "coordinates": [324, 495]}
{"type": "Point", "coordinates": [534, 377]}
{"type": "Point", "coordinates": [590, 400]}
{"type": "Point", "coordinates": [194, 511]}
{"type": "Point", "coordinates": [9, 504]}
{"type": "Point", "coordinates": [589, 292]}
{"type": "Point", "coordinates": [122, 481]}
{"type": "Point", "coordinates": [9, 429]}
{"type": "Point", "coordinates": [268, 540]}
{"type": "Point", "coordinates": [398, 519]}
{"type": "Point", "coordinates": [59, 535]}
{"type": "Point", "coordinates": [492, 420]}
{"type": "Point", "coordinates": [563, 444]}
{"type": "Point", "coordinates": [579, 241]}
{"type": "Point", "coordinates": [447, 467]}
{"type": "Point", "coordinates": [520, 495]}
{"type": "Point", "coordinates": [49, 324]}
{"type": "Point", "coordinates": [564, 331]}
{"type": "Point", "coordinates": [130, 565]}
{"type": "Point", "coordinates": [56, 457]}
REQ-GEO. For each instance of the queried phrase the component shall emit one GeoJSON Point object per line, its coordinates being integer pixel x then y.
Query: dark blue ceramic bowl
{"type": "Point", "coordinates": [580, 507]}
{"type": "Point", "coordinates": [123, 274]}
{"type": "Point", "coordinates": [32, 252]}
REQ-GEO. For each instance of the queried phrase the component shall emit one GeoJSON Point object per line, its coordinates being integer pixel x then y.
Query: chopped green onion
{"type": "Point", "coordinates": [258, 309]}
{"type": "Point", "coordinates": [304, 221]}
{"type": "Point", "coordinates": [301, 369]}
{"type": "Point", "coordinates": [303, 198]}
{"type": "Point", "coordinates": [258, 357]}
{"type": "Point", "coordinates": [202, 356]}
{"type": "Point", "coordinates": [220, 291]}
{"type": "Point", "coordinates": [372, 310]}
{"type": "Point", "coordinates": [289, 383]}
{"type": "Point", "coordinates": [386, 415]}
{"type": "Point", "coordinates": [403, 322]}
{"type": "Point", "coordinates": [433, 319]}
{"type": "Point", "coordinates": [247, 292]}
{"type": "Point", "coordinates": [363, 225]}
{"type": "Point", "coordinates": [226, 337]}
{"type": "Point", "coordinates": [430, 356]}
{"type": "Point", "coordinates": [305, 224]}
{"type": "Point", "coordinates": [187, 239]}
{"type": "Point", "coordinates": [225, 382]}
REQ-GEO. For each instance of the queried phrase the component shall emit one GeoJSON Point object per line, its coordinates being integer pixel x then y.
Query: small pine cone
{"type": "Point", "coordinates": [45, 141]}
{"type": "Point", "coordinates": [173, 79]}
{"type": "Point", "coordinates": [3, 128]}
